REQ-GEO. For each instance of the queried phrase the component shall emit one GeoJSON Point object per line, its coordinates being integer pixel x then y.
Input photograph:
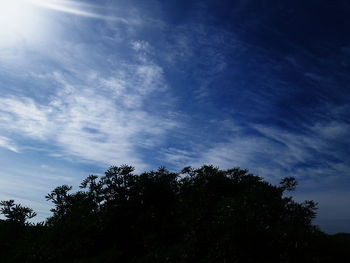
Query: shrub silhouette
{"type": "Point", "coordinates": [16, 213]}
{"type": "Point", "coordinates": [197, 215]}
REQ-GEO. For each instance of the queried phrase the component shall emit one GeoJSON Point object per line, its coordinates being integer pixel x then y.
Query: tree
{"type": "Point", "coordinates": [209, 213]}
{"type": "Point", "coordinates": [197, 215]}
{"type": "Point", "coordinates": [16, 213]}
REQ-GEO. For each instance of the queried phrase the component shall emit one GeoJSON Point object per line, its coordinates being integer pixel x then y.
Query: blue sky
{"type": "Point", "coordinates": [89, 84]}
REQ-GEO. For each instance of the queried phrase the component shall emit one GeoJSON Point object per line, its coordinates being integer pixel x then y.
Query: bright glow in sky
{"type": "Point", "coordinates": [70, 7]}
{"type": "Point", "coordinates": [24, 20]}
{"type": "Point", "coordinates": [17, 20]}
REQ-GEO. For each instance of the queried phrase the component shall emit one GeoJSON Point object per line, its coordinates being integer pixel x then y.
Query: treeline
{"type": "Point", "coordinates": [197, 215]}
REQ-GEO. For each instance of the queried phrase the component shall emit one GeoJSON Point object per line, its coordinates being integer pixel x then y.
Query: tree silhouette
{"type": "Point", "coordinates": [16, 213]}
{"type": "Point", "coordinates": [197, 215]}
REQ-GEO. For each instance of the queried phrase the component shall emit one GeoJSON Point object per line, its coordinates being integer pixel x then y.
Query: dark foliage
{"type": "Point", "coordinates": [16, 213]}
{"type": "Point", "coordinates": [198, 215]}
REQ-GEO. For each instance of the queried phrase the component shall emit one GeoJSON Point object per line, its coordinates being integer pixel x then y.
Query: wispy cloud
{"type": "Point", "coordinates": [94, 115]}
{"type": "Point", "coordinates": [8, 144]}
{"type": "Point", "coordinates": [25, 115]}
{"type": "Point", "coordinates": [87, 124]}
{"type": "Point", "coordinates": [316, 155]}
{"type": "Point", "coordinates": [77, 8]}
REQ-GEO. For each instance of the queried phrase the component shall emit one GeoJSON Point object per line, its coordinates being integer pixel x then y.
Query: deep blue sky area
{"type": "Point", "coordinates": [260, 85]}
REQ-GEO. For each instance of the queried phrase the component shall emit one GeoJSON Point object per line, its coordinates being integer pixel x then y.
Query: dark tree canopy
{"type": "Point", "coordinates": [16, 213]}
{"type": "Point", "coordinates": [197, 215]}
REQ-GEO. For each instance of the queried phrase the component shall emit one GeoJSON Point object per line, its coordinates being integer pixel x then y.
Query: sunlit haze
{"type": "Point", "coordinates": [26, 21]}
{"type": "Point", "coordinates": [18, 21]}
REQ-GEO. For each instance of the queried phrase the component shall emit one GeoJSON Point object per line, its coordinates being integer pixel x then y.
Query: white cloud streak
{"type": "Point", "coordinates": [8, 144]}
{"type": "Point", "coordinates": [87, 124]}
{"type": "Point", "coordinates": [273, 153]}
{"type": "Point", "coordinates": [101, 119]}
{"type": "Point", "coordinates": [75, 8]}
